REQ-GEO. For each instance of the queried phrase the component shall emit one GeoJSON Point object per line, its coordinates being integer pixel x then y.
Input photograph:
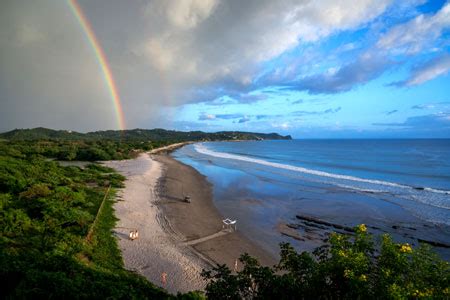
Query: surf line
{"type": "Point", "coordinates": [101, 59]}
{"type": "Point", "coordinates": [204, 150]}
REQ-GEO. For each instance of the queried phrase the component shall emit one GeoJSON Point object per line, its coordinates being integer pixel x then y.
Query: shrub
{"type": "Point", "coordinates": [348, 267]}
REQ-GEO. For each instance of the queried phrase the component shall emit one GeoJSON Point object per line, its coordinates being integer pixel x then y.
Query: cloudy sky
{"type": "Point", "coordinates": [315, 69]}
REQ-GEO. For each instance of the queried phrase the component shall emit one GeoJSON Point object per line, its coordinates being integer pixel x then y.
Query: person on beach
{"type": "Point", "coordinates": [164, 278]}
{"type": "Point", "coordinates": [134, 234]}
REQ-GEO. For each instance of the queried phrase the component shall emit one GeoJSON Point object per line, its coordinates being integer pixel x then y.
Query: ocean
{"type": "Point", "coordinates": [397, 186]}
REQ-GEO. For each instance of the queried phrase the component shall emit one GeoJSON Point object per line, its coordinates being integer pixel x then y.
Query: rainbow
{"type": "Point", "coordinates": [103, 62]}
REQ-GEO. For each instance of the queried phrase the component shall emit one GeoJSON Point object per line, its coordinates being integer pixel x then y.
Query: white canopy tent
{"type": "Point", "coordinates": [229, 224]}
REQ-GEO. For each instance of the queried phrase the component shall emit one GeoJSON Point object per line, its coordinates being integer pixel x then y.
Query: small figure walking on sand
{"type": "Point", "coordinates": [164, 278]}
{"type": "Point", "coordinates": [235, 265]}
{"type": "Point", "coordinates": [134, 234]}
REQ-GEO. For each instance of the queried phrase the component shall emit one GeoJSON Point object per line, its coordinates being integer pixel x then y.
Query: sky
{"type": "Point", "coordinates": [311, 69]}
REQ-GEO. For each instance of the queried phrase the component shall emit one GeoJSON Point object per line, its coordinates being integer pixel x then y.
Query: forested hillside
{"type": "Point", "coordinates": [111, 144]}
{"type": "Point", "coordinates": [142, 135]}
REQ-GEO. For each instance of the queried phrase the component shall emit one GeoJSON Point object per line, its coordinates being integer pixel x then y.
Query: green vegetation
{"type": "Point", "coordinates": [47, 211]}
{"type": "Point", "coordinates": [82, 150]}
{"type": "Point", "coordinates": [346, 268]}
{"type": "Point", "coordinates": [136, 135]}
{"type": "Point", "coordinates": [108, 145]}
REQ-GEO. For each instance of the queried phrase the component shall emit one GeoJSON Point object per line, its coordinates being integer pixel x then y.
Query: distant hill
{"type": "Point", "coordinates": [40, 133]}
{"type": "Point", "coordinates": [136, 135]}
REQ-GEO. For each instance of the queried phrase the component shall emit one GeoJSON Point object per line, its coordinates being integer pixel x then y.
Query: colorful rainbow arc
{"type": "Point", "coordinates": [101, 58]}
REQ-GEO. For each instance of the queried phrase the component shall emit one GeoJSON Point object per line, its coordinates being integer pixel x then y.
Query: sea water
{"type": "Point", "coordinates": [263, 183]}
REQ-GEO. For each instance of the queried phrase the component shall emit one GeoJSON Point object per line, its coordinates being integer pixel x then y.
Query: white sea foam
{"type": "Point", "coordinates": [363, 190]}
{"type": "Point", "coordinates": [436, 191]}
{"type": "Point", "coordinates": [200, 148]}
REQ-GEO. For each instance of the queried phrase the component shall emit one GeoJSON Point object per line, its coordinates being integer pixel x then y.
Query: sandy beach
{"type": "Point", "coordinates": [155, 251]}
{"type": "Point", "coordinates": [199, 222]}
{"type": "Point", "coordinates": [175, 237]}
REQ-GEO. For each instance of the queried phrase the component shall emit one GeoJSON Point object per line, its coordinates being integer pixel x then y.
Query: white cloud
{"type": "Point", "coordinates": [437, 68]}
{"type": "Point", "coordinates": [187, 14]}
{"type": "Point", "coordinates": [161, 58]}
{"type": "Point", "coordinates": [183, 15]}
{"type": "Point", "coordinates": [200, 43]}
{"type": "Point", "coordinates": [323, 17]}
{"type": "Point", "coordinates": [205, 116]}
{"type": "Point", "coordinates": [428, 71]}
{"type": "Point", "coordinates": [417, 34]}
{"type": "Point", "coordinates": [336, 80]}
{"type": "Point", "coordinates": [282, 125]}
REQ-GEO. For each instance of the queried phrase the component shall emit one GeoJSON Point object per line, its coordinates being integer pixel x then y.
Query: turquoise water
{"type": "Point", "coordinates": [263, 183]}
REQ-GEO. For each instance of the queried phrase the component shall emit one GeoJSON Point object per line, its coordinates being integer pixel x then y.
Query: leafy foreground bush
{"type": "Point", "coordinates": [347, 268]}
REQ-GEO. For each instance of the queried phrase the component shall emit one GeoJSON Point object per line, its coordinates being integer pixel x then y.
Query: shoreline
{"type": "Point", "coordinates": [169, 148]}
{"type": "Point", "coordinates": [175, 237]}
{"type": "Point", "coordinates": [309, 223]}
{"type": "Point", "coordinates": [200, 222]}
{"type": "Point", "coordinates": [180, 238]}
{"type": "Point", "coordinates": [155, 251]}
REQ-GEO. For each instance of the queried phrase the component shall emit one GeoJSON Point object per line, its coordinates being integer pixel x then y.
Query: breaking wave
{"type": "Point", "coordinates": [390, 187]}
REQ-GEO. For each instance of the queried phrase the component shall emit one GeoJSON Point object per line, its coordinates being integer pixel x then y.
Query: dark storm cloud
{"type": "Point", "coordinates": [48, 73]}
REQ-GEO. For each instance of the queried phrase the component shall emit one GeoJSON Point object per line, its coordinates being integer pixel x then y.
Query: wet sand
{"type": "Point", "coordinates": [200, 218]}
{"type": "Point", "coordinates": [175, 237]}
